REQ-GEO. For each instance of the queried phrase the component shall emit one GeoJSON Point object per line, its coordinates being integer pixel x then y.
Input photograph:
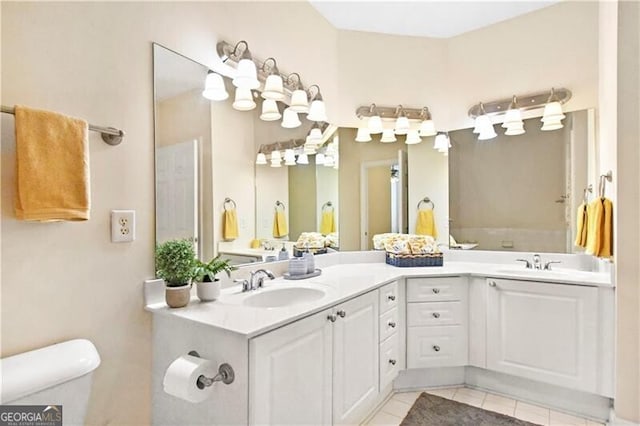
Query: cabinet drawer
{"type": "Point", "coordinates": [388, 297]}
{"type": "Point", "coordinates": [389, 360]}
{"type": "Point", "coordinates": [436, 346]}
{"type": "Point", "coordinates": [434, 313]}
{"type": "Point", "coordinates": [388, 323]}
{"type": "Point", "coordinates": [435, 289]}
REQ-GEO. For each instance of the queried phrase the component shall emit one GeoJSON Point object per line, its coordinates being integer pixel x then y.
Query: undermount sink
{"type": "Point", "coordinates": [283, 297]}
{"type": "Point", "coordinates": [537, 272]}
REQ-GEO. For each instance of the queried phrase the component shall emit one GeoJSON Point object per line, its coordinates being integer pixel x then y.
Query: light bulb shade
{"type": "Point", "coordinates": [552, 125]}
{"type": "Point", "coordinates": [273, 88]}
{"type": "Point", "coordinates": [552, 112]}
{"type": "Point", "coordinates": [328, 161]}
{"type": "Point", "coordinates": [487, 133]}
{"type": "Point", "coordinates": [214, 88]}
{"type": "Point", "coordinates": [243, 100]}
{"type": "Point", "coordinates": [441, 142]}
{"type": "Point", "coordinates": [413, 138]}
{"type": "Point", "coordinates": [290, 119]}
{"type": "Point", "coordinates": [270, 111]}
{"type": "Point", "coordinates": [289, 155]}
{"type": "Point", "coordinates": [317, 111]}
{"type": "Point", "coordinates": [276, 163]}
{"type": "Point", "coordinates": [261, 158]}
{"type": "Point", "coordinates": [299, 102]}
{"type": "Point", "coordinates": [303, 158]}
{"type": "Point", "coordinates": [427, 128]}
{"type": "Point", "coordinates": [290, 162]}
{"type": "Point", "coordinates": [309, 148]}
{"type": "Point", "coordinates": [375, 125]}
{"type": "Point", "coordinates": [512, 118]}
{"type": "Point", "coordinates": [315, 135]}
{"type": "Point", "coordinates": [388, 136]}
{"type": "Point", "coordinates": [402, 125]}
{"type": "Point", "coordinates": [246, 75]}
{"type": "Point", "coordinates": [320, 158]}
{"type": "Point", "coordinates": [275, 155]}
{"type": "Point", "coordinates": [331, 149]}
{"type": "Point", "coordinates": [363, 135]}
{"type": "Point", "coordinates": [515, 129]}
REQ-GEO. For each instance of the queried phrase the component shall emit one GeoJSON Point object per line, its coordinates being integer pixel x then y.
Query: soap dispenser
{"type": "Point", "coordinates": [307, 256]}
{"type": "Point", "coordinates": [283, 254]}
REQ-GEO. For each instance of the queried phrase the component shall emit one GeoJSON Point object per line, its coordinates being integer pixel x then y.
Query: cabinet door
{"type": "Point", "coordinates": [355, 361]}
{"type": "Point", "coordinates": [544, 332]}
{"type": "Point", "coordinates": [290, 374]}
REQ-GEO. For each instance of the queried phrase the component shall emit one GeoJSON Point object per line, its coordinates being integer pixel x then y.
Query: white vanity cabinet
{"type": "Point", "coordinates": [543, 331]}
{"type": "Point", "coordinates": [322, 369]}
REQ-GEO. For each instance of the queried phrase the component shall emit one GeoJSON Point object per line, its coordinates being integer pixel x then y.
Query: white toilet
{"type": "Point", "coordinates": [59, 374]}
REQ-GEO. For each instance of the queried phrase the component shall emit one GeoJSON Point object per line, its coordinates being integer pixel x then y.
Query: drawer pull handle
{"type": "Point", "coordinates": [341, 313]}
{"type": "Point", "coordinates": [436, 348]}
{"type": "Point", "coordinates": [392, 324]}
{"type": "Point", "coordinates": [392, 361]}
{"type": "Point", "coordinates": [492, 283]}
{"type": "Point", "coordinates": [391, 297]}
{"type": "Point", "coordinates": [436, 290]}
{"type": "Point", "coordinates": [332, 318]}
{"type": "Point", "coordinates": [436, 315]}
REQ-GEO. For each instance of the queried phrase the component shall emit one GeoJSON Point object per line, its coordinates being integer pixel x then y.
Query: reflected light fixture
{"type": "Point", "coordinates": [214, 87]}
{"type": "Point", "coordinates": [388, 136]}
{"type": "Point", "coordinates": [427, 128]}
{"type": "Point", "coordinates": [553, 115]}
{"type": "Point", "coordinates": [315, 134]}
{"type": "Point", "coordinates": [270, 111]}
{"type": "Point", "coordinates": [261, 159]}
{"type": "Point", "coordinates": [290, 119]}
{"type": "Point", "coordinates": [363, 135]}
{"type": "Point", "coordinates": [289, 157]}
{"type": "Point", "coordinates": [413, 138]}
{"type": "Point", "coordinates": [513, 120]}
{"type": "Point", "coordinates": [299, 101]}
{"type": "Point", "coordinates": [243, 100]}
{"type": "Point", "coordinates": [320, 158]}
{"type": "Point", "coordinates": [317, 110]}
{"type": "Point", "coordinates": [303, 158]}
{"type": "Point", "coordinates": [273, 85]}
{"type": "Point", "coordinates": [275, 158]}
{"type": "Point", "coordinates": [402, 122]}
{"type": "Point", "coordinates": [246, 73]}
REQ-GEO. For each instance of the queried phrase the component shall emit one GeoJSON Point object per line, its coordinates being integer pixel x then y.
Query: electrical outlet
{"type": "Point", "coordinates": [123, 226]}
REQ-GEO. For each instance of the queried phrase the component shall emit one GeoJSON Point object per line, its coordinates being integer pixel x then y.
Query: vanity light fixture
{"type": "Point", "coordinates": [246, 73]}
{"type": "Point", "coordinates": [413, 138]}
{"type": "Point", "coordinates": [317, 110]}
{"type": "Point", "coordinates": [270, 111]}
{"type": "Point", "coordinates": [427, 128]}
{"type": "Point", "coordinates": [303, 159]}
{"type": "Point", "coordinates": [363, 135]}
{"type": "Point", "coordinates": [214, 87]}
{"type": "Point", "coordinates": [315, 134]}
{"type": "Point", "coordinates": [375, 121]}
{"type": "Point", "coordinates": [552, 116]}
{"type": "Point", "coordinates": [261, 159]}
{"type": "Point", "coordinates": [484, 126]}
{"type": "Point", "coordinates": [329, 161]}
{"type": "Point", "coordinates": [290, 119]}
{"type": "Point", "coordinates": [275, 158]}
{"type": "Point", "coordinates": [402, 122]}
{"type": "Point", "coordinates": [513, 120]}
{"type": "Point", "coordinates": [401, 116]}
{"type": "Point", "coordinates": [441, 142]}
{"type": "Point", "coordinates": [273, 86]}
{"type": "Point", "coordinates": [289, 157]}
{"type": "Point", "coordinates": [388, 136]}
{"type": "Point", "coordinates": [299, 101]}
{"type": "Point", "coordinates": [320, 158]}
{"type": "Point", "coordinates": [243, 100]}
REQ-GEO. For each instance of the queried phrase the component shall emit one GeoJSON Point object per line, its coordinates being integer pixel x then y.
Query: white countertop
{"type": "Point", "coordinates": [345, 281]}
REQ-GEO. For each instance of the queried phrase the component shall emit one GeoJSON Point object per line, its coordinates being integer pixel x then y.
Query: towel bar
{"type": "Point", "coordinates": [279, 204]}
{"type": "Point", "coordinates": [110, 135]}
{"type": "Point", "coordinates": [229, 201]}
{"type": "Point", "coordinates": [426, 200]}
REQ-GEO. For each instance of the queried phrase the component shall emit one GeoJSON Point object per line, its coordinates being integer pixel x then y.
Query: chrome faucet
{"type": "Point", "coordinates": [256, 280]}
{"type": "Point", "coordinates": [537, 262]}
{"type": "Point", "coordinates": [527, 264]}
{"type": "Point", "coordinates": [547, 265]}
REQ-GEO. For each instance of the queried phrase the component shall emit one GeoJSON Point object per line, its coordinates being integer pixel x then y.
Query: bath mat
{"type": "Point", "coordinates": [431, 410]}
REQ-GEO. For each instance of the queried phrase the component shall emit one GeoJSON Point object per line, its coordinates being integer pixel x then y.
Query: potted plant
{"type": "Point", "coordinates": [175, 264]}
{"type": "Point", "coordinates": [207, 285]}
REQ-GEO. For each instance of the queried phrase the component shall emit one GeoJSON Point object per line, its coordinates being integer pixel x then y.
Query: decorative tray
{"type": "Point", "coordinates": [315, 273]}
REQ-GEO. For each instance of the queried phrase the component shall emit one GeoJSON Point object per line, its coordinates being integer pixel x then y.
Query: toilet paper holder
{"type": "Point", "coordinates": [225, 375]}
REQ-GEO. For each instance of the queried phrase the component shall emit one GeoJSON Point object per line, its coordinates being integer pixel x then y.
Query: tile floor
{"type": "Point", "coordinates": [394, 410]}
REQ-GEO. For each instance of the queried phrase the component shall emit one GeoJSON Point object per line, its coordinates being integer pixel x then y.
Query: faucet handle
{"type": "Point", "coordinates": [246, 286]}
{"type": "Point", "coordinates": [547, 265]}
{"type": "Point", "coordinates": [527, 264]}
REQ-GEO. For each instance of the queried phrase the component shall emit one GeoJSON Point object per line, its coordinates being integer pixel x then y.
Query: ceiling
{"type": "Point", "coordinates": [439, 19]}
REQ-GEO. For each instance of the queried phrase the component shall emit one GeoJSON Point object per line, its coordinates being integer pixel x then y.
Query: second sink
{"type": "Point", "coordinates": [281, 297]}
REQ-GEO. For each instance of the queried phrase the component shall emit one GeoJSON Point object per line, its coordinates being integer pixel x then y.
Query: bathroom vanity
{"type": "Point", "coordinates": [328, 350]}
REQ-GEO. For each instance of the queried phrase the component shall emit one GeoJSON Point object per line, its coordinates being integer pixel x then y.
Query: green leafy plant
{"type": "Point", "coordinates": [207, 271]}
{"type": "Point", "coordinates": [176, 262]}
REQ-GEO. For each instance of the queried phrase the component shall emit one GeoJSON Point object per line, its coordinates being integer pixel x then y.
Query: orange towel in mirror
{"type": "Point", "coordinates": [426, 224]}
{"type": "Point", "coordinates": [280, 225]}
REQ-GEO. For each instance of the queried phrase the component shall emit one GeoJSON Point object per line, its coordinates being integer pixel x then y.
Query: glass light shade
{"type": "Point", "coordinates": [552, 125]}
{"type": "Point", "coordinates": [299, 102]}
{"type": "Point", "coordinates": [553, 112]}
{"type": "Point", "coordinates": [261, 158]}
{"type": "Point", "coordinates": [246, 75]}
{"type": "Point", "coordinates": [328, 161]}
{"type": "Point", "coordinates": [270, 111]}
{"type": "Point", "coordinates": [309, 148]}
{"type": "Point", "coordinates": [290, 119]}
{"type": "Point", "coordinates": [320, 158]}
{"type": "Point", "coordinates": [303, 158]}
{"type": "Point", "coordinates": [317, 111]}
{"type": "Point", "coordinates": [441, 142]}
{"type": "Point", "coordinates": [375, 125]}
{"type": "Point", "coordinates": [315, 134]}
{"type": "Point", "coordinates": [275, 155]}
{"type": "Point", "coordinates": [402, 125]}
{"type": "Point", "coordinates": [363, 135]}
{"type": "Point", "coordinates": [243, 100]}
{"type": "Point", "coordinates": [512, 118]}
{"type": "Point", "coordinates": [289, 157]}
{"type": "Point", "coordinates": [515, 129]}
{"type": "Point", "coordinates": [427, 128]}
{"type": "Point", "coordinates": [276, 163]}
{"type": "Point", "coordinates": [273, 88]}
{"type": "Point", "coordinates": [331, 149]}
{"type": "Point", "coordinates": [214, 88]}
{"type": "Point", "coordinates": [388, 136]}
{"type": "Point", "coordinates": [413, 138]}
{"type": "Point", "coordinates": [336, 164]}
{"type": "Point", "coordinates": [290, 162]}
{"type": "Point", "coordinates": [487, 133]}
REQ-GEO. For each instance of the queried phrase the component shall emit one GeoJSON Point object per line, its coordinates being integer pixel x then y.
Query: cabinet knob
{"type": "Point", "coordinates": [392, 361]}
{"type": "Point", "coordinates": [391, 297]}
{"type": "Point", "coordinates": [436, 290]}
{"type": "Point", "coordinates": [332, 318]}
{"type": "Point", "coordinates": [392, 324]}
{"type": "Point", "coordinates": [492, 283]}
{"type": "Point", "coordinates": [436, 315]}
{"type": "Point", "coordinates": [436, 348]}
{"type": "Point", "coordinates": [341, 313]}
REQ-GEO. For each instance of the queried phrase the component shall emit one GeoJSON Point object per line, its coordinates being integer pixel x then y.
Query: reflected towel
{"type": "Point", "coordinates": [230, 225]}
{"type": "Point", "coordinates": [594, 226]}
{"type": "Point", "coordinates": [52, 163]}
{"type": "Point", "coordinates": [426, 224]}
{"type": "Point", "coordinates": [606, 229]}
{"type": "Point", "coordinates": [280, 225]}
{"type": "Point", "coordinates": [327, 223]}
{"type": "Point", "coordinates": [581, 226]}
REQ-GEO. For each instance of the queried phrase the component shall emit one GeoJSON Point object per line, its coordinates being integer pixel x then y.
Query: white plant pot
{"type": "Point", "coordinates": [208, 291]}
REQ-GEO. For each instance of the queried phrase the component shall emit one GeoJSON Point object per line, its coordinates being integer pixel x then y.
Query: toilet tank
{"type": "Point", "coordinates": [59, 374]}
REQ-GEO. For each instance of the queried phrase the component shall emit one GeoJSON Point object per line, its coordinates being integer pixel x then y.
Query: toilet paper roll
{"type": "Point", "coordinates": [181, 378]}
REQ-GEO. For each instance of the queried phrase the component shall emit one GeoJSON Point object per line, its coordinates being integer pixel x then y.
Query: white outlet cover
{"type": "Point", "coordinates": [123, 226]}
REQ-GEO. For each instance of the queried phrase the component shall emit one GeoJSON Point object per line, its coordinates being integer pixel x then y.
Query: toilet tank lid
{"type": "Point", "coordinates": [30, 372]}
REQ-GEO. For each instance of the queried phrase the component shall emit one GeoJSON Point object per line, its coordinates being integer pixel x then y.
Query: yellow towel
{"type": "Point", "coordinates": [426, 224]}
{"type": "Point", "coordinates": [230, 225]}
{"type": "Point", "coordinates": [581, 226]}
{"type": "Point", "coordinates": [328, 223]}
{"type": "Point", "coordinates": [52, 162]}
{"type": "Point", "coordinates": [280, 225]}
{"type": "Point", "coordinates": [594, 225]}
{"type": "Point", "coordinates": [606, 229]}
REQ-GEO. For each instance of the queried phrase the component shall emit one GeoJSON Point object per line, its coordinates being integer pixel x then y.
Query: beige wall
{"type": "Point", "coordinates": [302, 199]}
